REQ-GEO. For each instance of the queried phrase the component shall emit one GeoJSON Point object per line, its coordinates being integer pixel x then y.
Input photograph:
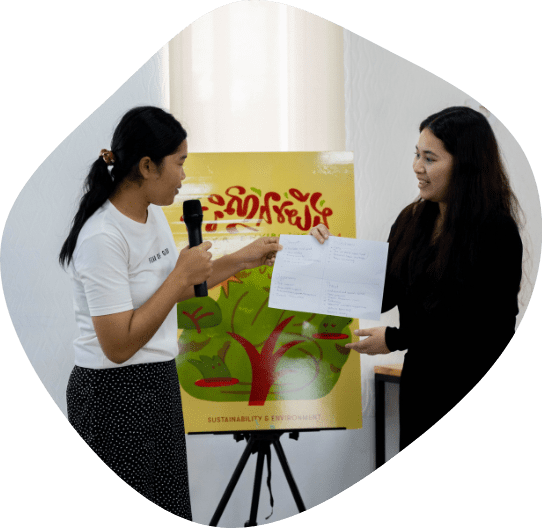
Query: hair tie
{"type": "Point", "coordinates": [108, 156]}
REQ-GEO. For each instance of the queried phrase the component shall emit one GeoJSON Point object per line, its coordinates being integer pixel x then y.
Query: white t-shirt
{"type": "Point", "coordinates": [117, 265]}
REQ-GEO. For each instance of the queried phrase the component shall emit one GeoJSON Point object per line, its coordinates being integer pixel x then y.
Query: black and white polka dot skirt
{"type": "Point", "coordinates": [132, 418]}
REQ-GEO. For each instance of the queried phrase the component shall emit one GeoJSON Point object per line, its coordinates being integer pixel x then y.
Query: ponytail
{"type": "Point", "coordinates": [98, 187]}
{"type": "Point", "coordinates": [143, 131]}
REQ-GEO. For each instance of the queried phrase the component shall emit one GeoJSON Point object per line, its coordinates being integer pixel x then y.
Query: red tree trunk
{"type": "Point", "coordinates": [263, 365]}
{"type": "Point", "coordinates": [260, 387]}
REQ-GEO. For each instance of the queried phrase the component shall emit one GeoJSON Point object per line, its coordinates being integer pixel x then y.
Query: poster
{"type": "Point", "coordinates": [242, 365]}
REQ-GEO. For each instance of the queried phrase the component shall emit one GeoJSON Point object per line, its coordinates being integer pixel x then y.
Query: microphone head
{"type": "Point", "coordinates": [193, 218]}
{"type": "Point", "coordinates": [192, 208]}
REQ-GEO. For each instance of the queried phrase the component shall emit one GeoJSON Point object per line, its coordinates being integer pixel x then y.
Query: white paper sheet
{"type": "Point", "coordinates": [343, 276]}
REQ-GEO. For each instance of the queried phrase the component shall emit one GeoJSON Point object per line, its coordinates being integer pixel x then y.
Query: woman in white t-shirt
{"type": "Point", "coordinates": [123, 395]}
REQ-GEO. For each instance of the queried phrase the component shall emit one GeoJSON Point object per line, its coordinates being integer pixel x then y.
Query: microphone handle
{"type": "Point", "coordinates": [201, 289]}
{"type": "Point", "coordinates": [195, 239]}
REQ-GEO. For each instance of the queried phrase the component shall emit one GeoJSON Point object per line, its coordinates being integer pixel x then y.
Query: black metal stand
{"type": "Point", "coordinates": [258, 442]}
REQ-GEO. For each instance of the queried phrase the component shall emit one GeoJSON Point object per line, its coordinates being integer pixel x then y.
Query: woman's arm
{"type": "Point", "coordinates": [489, 293]}
{"type": "Point", "coordinates": [122, 334]}
{"type": "Point", "coordinates": [261, 252]}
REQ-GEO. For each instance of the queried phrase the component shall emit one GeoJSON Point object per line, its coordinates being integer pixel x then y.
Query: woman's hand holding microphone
{"type": "Point", "coordinates": [375, 337]}
{"type": "Point", "coordinates": [194, 266]}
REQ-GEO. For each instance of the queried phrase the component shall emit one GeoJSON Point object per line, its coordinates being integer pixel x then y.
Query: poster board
{"type": "Point", "coordinates": [241, 365]}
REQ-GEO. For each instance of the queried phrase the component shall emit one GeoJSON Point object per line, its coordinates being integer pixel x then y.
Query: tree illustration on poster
{"type": "Point", "coordinates": [243, 365]}
{"type": "Point", "coordinates": [260, 353]}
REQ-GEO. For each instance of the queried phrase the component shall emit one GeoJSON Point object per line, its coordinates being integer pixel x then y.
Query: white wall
{"type": "Point", "coordinates": [38, 292]}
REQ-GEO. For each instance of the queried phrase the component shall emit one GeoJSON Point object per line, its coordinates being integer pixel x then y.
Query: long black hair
{"type": "Point", "coordinates": [143, 131]}
{"type": "Point", "coordinates": [479, 191]}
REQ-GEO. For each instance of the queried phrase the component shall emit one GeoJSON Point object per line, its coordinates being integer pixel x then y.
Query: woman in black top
{"type": "Point", "coordinates": [454, 269]}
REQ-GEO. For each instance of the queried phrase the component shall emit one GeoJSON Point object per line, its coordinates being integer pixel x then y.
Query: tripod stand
{"type": "Point", "coordinates": [259, 442]}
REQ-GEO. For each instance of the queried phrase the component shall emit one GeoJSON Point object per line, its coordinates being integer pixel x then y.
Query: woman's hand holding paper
{"type": "Point", "coordinates": [374, 343]}
{"type": "Point", "coordinates": [321, 233]}
{"type": "Point", "coordinates": [261, 252]}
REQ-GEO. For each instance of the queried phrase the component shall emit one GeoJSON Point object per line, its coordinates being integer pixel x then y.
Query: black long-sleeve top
{"type": "Point", "coordinates": [454, 328]}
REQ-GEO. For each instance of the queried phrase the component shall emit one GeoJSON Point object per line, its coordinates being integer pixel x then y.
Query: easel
{"type": "Point", "coordinates": [259, 442]}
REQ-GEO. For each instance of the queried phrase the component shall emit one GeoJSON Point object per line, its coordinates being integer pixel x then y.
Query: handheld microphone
{"type": "Point", "coordinates": [193, 218]}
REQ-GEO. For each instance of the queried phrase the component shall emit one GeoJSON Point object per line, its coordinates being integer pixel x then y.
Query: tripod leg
{"type": "Point", "coordinates": [289, 476]}
{"type": "Point", "coordinates": [233, 481]}
{"type": "Point", "coordinates": [257, 485]}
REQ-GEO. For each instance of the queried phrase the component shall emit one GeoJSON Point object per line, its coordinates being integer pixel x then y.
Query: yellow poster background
{"type": "Point", "coordinates": [244, 196]}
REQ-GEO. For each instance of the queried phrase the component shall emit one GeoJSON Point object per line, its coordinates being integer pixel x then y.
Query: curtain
{"type": "Point", "coordinates": [259, 76]}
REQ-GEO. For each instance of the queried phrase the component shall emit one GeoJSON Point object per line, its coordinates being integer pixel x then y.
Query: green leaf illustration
{"type": "Point", "coordinates": [198, 313]}
{"type": "Point", "coordinates": [211, 367]}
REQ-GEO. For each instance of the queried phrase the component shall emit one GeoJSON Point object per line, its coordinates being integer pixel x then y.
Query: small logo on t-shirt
{"type": "Point", "coordinates": [165, 252]}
